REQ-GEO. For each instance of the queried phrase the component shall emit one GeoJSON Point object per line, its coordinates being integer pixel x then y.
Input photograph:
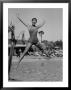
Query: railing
{"type": "Point", "coordinates": [18, 45]}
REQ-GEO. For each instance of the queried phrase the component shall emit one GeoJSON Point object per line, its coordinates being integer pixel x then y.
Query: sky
{"type": "Point", "coordinates": [53, 28]}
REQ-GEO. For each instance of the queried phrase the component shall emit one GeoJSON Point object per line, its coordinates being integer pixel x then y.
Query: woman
{"type": "Point", "coordinates": [33, 30]}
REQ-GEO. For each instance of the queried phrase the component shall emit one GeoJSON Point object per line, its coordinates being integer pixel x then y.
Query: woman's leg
{"type": "Point", "coordinates": [42, 48]}
{"type": "Point", "coordinates": [25, 51]}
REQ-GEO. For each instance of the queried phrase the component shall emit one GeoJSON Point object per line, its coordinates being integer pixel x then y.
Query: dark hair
{"type": "Point", "coordinates": [34, 19]}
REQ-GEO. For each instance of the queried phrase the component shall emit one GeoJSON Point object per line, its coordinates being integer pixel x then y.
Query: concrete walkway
{"type": "Point", "coordinates": [37, 68]}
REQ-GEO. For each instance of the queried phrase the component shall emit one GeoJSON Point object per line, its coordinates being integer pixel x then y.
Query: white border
{"type": "Point", "coordinates": [64, 83]}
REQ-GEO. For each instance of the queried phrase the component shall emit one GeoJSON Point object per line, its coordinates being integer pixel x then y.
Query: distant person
{"type": "Point", "coordinates": [11, 29]}
{"type": "Point", "coordinates": [33, 30]}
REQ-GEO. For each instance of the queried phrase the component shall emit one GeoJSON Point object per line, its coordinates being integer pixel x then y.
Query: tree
{"type": "Point", "coordinates": [59, 44]}
{"type": "Point", "coordinates": [41, 33]}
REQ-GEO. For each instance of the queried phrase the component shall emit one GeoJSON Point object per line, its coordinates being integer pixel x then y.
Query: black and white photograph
{"type": "Point", "coordinates": [35, 44]}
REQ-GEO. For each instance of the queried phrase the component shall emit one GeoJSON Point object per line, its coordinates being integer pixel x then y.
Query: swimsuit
{"type": "Point", "coordinates": [33, 35]}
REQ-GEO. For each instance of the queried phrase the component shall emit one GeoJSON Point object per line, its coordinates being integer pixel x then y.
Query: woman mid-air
{"type": "Point", "coordinates": [33, 30]}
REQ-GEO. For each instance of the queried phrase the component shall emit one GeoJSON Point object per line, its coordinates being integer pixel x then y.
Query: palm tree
{"type": "Point", "coordinates": [41, 33]}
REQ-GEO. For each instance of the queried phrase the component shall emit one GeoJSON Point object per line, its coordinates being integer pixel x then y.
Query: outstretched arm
{"type": "Point", "coordinates": [40, 25]}
{"type": "Point", "coordinates": [23, 22]}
